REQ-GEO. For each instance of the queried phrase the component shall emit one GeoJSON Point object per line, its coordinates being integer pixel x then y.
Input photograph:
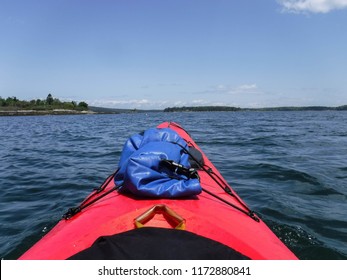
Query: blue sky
{"type": "Point", "coordinates": [156, 54]}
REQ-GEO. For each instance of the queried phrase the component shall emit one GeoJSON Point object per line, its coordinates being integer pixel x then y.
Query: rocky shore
{"type": "Point", "coordinates": [44, 112]}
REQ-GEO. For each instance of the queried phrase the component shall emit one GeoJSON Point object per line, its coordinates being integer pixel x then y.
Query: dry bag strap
{"type": "Point", "coordinates": [178, 168]}
{"type": "Point", "coordinates": [177, 220]}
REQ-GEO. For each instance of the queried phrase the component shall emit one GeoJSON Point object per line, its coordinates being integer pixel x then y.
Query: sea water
{"type": "Point", "coordinates": [289, 167]}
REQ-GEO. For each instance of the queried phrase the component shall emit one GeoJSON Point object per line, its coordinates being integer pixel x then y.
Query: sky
{"type": "Point", "coordinates": [153, 54]}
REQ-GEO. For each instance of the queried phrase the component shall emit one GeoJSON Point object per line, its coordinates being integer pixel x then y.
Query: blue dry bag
{"type": "Point", "coordinates": [141, 169]}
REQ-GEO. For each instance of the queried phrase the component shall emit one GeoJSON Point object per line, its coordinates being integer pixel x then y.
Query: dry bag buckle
{"type": "Point", "coordinates": [177, 168]}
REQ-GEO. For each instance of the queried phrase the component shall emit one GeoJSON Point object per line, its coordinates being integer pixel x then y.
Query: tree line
{"type": "Point", "coordinates": [227, 108]}
{"type": "Point", "coordinates": [50, 103]}
{"type": "Point", "coordinates": [201, 109]}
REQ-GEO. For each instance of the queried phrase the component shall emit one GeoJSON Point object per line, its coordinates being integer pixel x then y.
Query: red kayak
{"type": "Point", "coordinates": [217, 214]}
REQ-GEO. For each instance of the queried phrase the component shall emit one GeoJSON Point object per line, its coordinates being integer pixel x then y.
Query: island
{"type": "Point", "coordinates": [11, 106]}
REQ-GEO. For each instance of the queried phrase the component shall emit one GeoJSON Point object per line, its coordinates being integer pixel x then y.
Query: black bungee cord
{"type": "Point", "coordinates": [220, 182]}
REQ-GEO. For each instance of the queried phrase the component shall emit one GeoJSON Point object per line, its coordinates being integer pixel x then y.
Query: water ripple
{"type": "Point", "coordinates": [290, 167]}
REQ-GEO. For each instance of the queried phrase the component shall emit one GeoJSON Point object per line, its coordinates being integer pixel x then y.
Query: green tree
{"type": "Point", "coordinates": [49, 99]}
{"type": "Point", "coordinates": [39, 102]}
{"type": "Point", "coordinates": [2, 102]}
{"type": "Point", "coordinates": [83, 105]}
{"type": "Point", "coordinates": [74, 104]}
{"type": "Point", "coordinates": [56, 102]}
{"type": "Point", "coordinates": [11, 101]}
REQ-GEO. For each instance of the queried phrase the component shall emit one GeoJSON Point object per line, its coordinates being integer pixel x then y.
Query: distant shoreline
{"type": "Point", "coordinates": [100, 110]}
{"type": "Point", "coordinates": [44, 112]}
{"type": "Point", "coordinates": [267, 109]}
{"type": "Point", "coordinates": [92, 111]}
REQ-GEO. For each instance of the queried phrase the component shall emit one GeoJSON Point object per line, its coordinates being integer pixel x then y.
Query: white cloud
{"type": "Point", "coordinates": [312, 6]}
{"type": "Point", "coordinates": [221, 87]}
{"type": "Point", "coordinates": [179, 103]}
{"type": "Point", "coordinates": [144, 104]}
{"type": "Point", "coordinates": [244, 89]}
{"type": "Point", "coordinates": [194, 102]}
{"type": "Point", "coordinates": [199, 102]}
{"type": "Point", "coordinates": [226, 96]}
{"type": "Point", "coordinates": [114, 103]}
{"type": "Point", "coordinates": [247, 87]}
{"type": "Point", "coordinates": [227, 89]}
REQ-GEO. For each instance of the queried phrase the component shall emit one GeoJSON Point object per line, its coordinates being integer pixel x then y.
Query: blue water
{"type": "Point", "coordinates": [290, 167]}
